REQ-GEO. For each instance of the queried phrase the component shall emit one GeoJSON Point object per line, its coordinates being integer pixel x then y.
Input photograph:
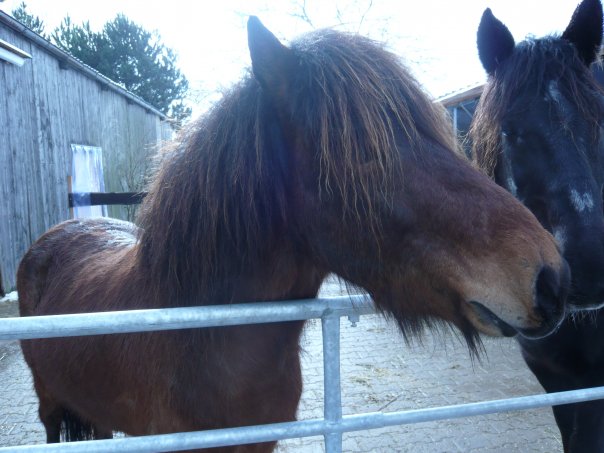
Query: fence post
{"type": "Point", "coordinates": [69, 190]}
{"type": "Point", "coordinates": [330, 326]}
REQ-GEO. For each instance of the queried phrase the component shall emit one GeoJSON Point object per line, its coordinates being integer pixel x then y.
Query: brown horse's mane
{"type": "Point", "coordinates": [223, 182]}
{"type": "Point", "coordinates": [532, 61]}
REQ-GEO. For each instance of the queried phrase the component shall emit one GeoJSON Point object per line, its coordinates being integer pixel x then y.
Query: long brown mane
{"type": "Point", "coordinates": [534, 61]}
{"type": "Point", "coordinates": [227, 172]}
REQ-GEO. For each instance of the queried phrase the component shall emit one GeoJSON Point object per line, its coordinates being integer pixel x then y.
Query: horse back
{"type": "Point", "coordinates": [56, 270]}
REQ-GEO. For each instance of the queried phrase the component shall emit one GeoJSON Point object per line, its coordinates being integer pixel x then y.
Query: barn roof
{"type": "Point", "coordinates": [67, 61]}
{"type": "Point", "coordinates": [470, 92]}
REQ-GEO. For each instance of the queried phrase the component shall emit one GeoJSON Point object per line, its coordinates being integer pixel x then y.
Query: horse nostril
{"type": "Point", "coordinates": [551, 291]}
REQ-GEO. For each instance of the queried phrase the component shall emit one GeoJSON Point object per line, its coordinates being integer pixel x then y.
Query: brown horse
{"type": "Point", "coordinates": [328, 157]}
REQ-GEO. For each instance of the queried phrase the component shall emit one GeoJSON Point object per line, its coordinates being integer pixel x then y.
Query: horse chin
{"type": "Point", "coordinates": [575, 308]}
{"type": "Point", "coordinates": [487, 322]}
{"type": "Point", "coordinates": [541, 332]}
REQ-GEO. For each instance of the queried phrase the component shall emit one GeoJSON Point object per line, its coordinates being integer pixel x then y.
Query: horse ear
{"type": "Point", "coordinates": [495, 42]}
{"type": "Point", "coordinates": [270, 58]}
{"type": "Point", "coordinates": [585, 30]}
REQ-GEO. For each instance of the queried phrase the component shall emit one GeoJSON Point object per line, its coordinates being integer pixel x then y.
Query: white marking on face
{"type": "Point", "coordinates": [512, 186]}
{"type": "Point", "coordinates": [560, 236]}
{"type": "Point", "coordinates": [581, 202]}
{"type": "Point", "coordinates": [554, 92]}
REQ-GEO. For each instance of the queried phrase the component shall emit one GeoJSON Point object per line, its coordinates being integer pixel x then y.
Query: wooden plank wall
{"type": "Point", "coordinates": [43, 110]}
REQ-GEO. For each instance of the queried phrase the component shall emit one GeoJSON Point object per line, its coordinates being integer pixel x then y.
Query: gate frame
{"type": "Point", "coordinates": [331, 426]}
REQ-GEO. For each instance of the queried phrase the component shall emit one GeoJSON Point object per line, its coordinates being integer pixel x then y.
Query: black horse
{"type": "Point", "coordinates": [538, 132]}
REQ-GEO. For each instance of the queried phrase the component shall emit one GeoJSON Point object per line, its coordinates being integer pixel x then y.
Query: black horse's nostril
{"type": "Point", "coordinates": [551, 291]}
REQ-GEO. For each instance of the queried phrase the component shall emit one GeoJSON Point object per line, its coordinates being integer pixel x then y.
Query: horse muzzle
{"type": "Point", "coordinates": [551, 292]}
{"type": "Point", "coordinates": [547, 312]}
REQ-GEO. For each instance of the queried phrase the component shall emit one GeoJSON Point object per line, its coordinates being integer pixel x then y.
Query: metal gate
{"type": "Point", "coordinates": [331, 426]}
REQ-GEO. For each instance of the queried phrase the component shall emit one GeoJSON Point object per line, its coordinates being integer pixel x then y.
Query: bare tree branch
{"type": "Point", "coordinates": [364, 15]}
{"type": "Point", "coordinates": [303, 13]}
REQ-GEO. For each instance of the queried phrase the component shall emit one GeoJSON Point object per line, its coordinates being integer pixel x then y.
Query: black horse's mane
{"type": "Point", "coordinates": [533, 63]}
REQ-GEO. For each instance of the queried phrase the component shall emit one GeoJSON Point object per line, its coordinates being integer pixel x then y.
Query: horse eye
{"type": "Point", "coordinates": [507, 129]}
{"type": "Point", "coordinates": [511, 135]}
{"type": "Point", "coordinates": [508, 134]}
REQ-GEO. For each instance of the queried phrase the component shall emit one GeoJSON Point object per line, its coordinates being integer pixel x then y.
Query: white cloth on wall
{"type": "Point", "coordinates": [87, 176]}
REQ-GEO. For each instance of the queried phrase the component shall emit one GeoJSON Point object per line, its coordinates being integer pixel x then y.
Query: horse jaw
{"type": "Point", "coordinates": [487, 322]}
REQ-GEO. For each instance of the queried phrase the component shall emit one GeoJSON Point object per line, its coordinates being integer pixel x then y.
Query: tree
{"type": "Point", "coordinates": [131, 56]}
{"type": "Point", "coordinates": [80, 41]}
{"type": "Point", "coordinates": [32, 22]}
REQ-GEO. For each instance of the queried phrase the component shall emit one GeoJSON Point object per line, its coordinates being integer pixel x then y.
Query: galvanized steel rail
{"type": "Point", "coordinates": [181, 318]}
{"type": "Point", "coordinates": [331, 426]}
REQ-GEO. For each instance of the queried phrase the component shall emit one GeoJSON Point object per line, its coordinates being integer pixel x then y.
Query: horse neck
{"type": "Point", "coordinates": [277, 273]}
{"type": "Point", "coordinates": [216, 225]}
{"type": "Point", "coordinates": [282, 276]}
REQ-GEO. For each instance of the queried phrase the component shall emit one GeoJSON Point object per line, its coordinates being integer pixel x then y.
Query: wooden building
{"type": "Point", "coordinates": [52, 106]}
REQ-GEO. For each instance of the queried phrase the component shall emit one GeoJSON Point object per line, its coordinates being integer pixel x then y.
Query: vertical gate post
{"type": "Point", "coordinates": [330, 326]}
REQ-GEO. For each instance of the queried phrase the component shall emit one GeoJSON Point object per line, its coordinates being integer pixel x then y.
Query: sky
{"type": "Point", "coordinates": [436, 38]}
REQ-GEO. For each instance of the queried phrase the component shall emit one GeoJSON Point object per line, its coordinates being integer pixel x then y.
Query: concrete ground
{"type": "Point", "coordinates": [379, 373]}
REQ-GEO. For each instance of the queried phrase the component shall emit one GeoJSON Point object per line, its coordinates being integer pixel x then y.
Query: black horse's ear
{"type": "Point", "coordinates": [495, 42]}
{"type": "Point", "coordinates": [270, 59]}
{"type": "Point", "coordinates": [585, 30]}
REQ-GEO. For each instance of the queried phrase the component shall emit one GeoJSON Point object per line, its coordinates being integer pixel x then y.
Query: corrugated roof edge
{"type": "Point", "coordinates": [74, 63]}
{"type": "Point", "coordinates": [456, 97]}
